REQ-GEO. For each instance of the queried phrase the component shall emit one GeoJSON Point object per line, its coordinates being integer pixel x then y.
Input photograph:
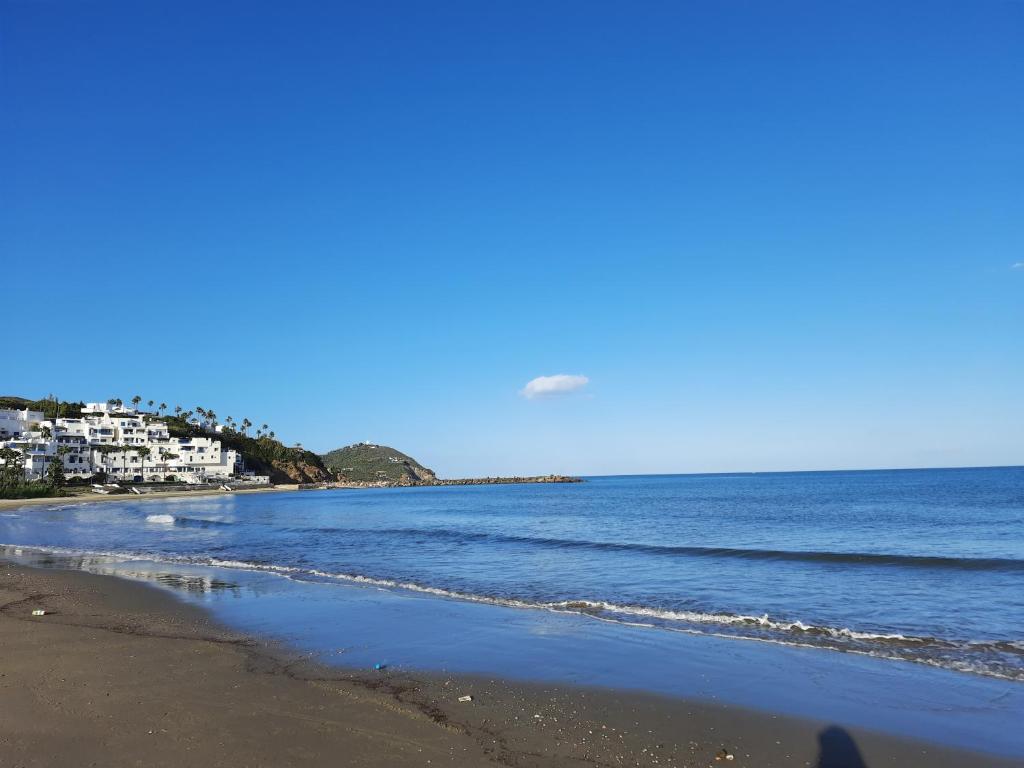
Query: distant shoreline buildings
{"type": "Point", "coordinates": [120, 443]}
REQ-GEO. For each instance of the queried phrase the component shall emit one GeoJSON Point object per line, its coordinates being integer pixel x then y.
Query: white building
{"type": "Point", "coordinates": [14, 422]}
{"type": "Point", "coordinates": [124, 444]}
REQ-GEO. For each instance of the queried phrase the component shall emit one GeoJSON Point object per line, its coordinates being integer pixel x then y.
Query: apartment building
{"type": "Point", "coordinates": [123, 443]}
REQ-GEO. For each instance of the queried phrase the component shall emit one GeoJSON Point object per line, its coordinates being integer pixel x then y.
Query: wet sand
{"type": "Point", "coordinates": [120, 673]}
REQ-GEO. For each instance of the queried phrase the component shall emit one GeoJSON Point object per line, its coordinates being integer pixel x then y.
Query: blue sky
{"type": "Point", "coordinates": [770, 235]}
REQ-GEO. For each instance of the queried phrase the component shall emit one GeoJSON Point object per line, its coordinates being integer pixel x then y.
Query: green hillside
{"type": "Point", "coordinates": [364, 462]}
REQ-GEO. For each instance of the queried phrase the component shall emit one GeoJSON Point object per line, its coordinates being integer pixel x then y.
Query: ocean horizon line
{"type": "Point", "coordinates": [739, 473]}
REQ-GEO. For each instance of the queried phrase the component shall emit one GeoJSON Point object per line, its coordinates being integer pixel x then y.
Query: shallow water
{"type": "Point", "coordinates": [916, 565]}
{"type": "Point", "coordinates": [359, 626]}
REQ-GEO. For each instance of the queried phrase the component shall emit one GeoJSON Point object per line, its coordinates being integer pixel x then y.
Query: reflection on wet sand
{"type": "Point", "coordinates": [195, 584]}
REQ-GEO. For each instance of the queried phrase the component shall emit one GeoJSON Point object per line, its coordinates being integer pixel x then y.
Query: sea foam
{"type": "Point", "coordinates": [162, 519]}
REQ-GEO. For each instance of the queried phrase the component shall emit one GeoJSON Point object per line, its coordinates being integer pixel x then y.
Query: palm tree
{"type": "Point", "coordinates": [212, 418]}
{"type": "Point", "coordinates": [166, 456]}
{"type": "Point", "coordinates": [264, 428]}
{"type": "Point", "coordinates": [112, 402]}
{"type": "Point", "coordinates": [27, 461]}
{"type": "Point", "coordinates": [161, 408]}
{"type": "Point", "coordinates": [144, 453]}
{"type": "Point", "coordinates": [104, 451]}
{"type": "Point", "coordinates": [272, 435]}
{"type": "Point", "coordinates": [136, 400]}
{"type": "Point", "coordinates": [177, 410]}
{"type": "Point", "coordinates": [245, 426]}
{"type": "Point", "coordinates": [119, 403]}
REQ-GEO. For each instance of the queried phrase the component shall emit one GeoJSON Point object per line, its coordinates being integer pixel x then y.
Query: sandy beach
{"type": "Point", "coordinates": [85, 495]}
{"type": "Point", "coordinates": [120, 673]}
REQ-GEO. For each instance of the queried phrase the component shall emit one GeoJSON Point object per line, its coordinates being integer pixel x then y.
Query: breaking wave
{"type": "Point", "coordinates": [858, 558]}
{"type": "Point", "coordinates": [985, 657]}
{"type": "Point", "coordinates": [161, 519]}
{"type": "Point", "coordinates": [993, 658]}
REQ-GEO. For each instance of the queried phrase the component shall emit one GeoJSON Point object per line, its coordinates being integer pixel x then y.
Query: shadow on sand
{"type": "Point", "coordinates": [837, 749]}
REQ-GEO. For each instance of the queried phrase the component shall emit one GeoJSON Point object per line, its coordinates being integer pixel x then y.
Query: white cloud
{"type": "Point", "coordinates": [550, 386]}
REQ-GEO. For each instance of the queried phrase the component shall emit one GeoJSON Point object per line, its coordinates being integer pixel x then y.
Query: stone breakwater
{"type": "Point", "coordinates": [509, 480]}
{"type": "Point", "coordinates": [405, 483]}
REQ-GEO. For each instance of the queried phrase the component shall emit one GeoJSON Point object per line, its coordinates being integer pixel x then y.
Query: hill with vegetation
{"type": "Point", "coordinates": [368, 463]}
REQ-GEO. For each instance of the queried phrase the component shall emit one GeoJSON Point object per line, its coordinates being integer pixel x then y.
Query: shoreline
{"type": "Point", "coordinates": [84, 498]}
{"type": "Point", "coordinates": [89, 497]}
{"type": "Point", "coordinates": [121, 671]}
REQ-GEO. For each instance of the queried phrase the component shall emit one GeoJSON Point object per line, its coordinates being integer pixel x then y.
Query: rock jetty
{"type": "Point", "coordinates": [410, 483]}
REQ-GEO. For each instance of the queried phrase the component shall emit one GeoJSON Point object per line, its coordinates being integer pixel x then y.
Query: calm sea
{"type": "Point", "coordinates": [919, 565]}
